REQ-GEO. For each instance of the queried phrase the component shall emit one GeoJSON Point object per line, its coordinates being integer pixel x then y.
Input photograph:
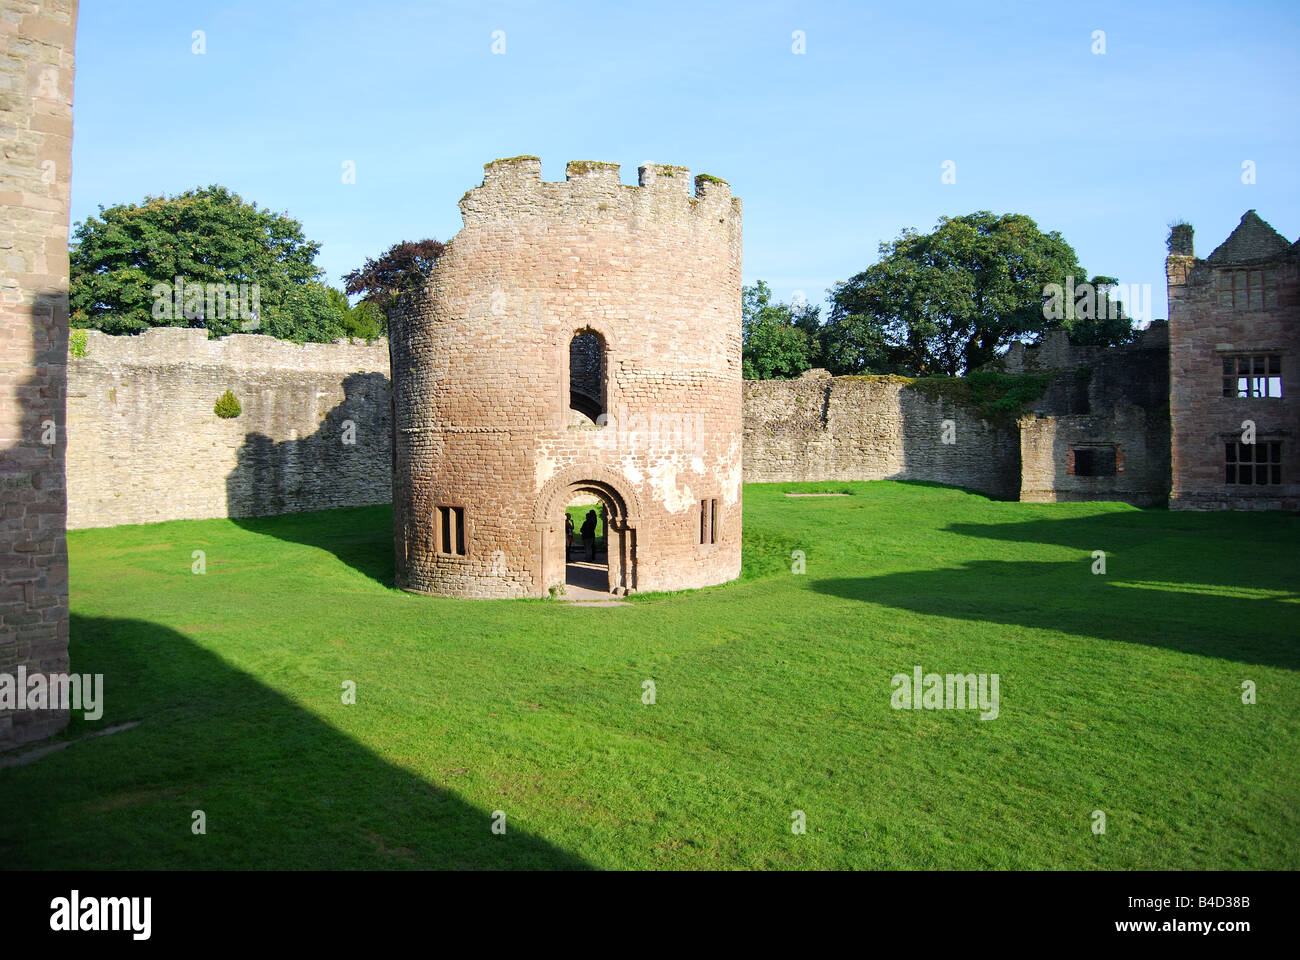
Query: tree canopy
{"type": "Point", "coordinates": [203, 258]}
{"type": "Point", "coordinates": [778, 340]}
{"type": "Point", "coordinates": [948, 301]}
{"type": "Point", "coordinates": [402, 268]}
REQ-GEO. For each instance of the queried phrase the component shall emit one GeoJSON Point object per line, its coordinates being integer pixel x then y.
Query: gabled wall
{"type": "Point", "coordinates": [1244, 301]}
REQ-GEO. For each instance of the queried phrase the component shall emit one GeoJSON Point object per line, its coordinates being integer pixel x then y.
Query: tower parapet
{"type": "Point", "coordinates": [513, 187]}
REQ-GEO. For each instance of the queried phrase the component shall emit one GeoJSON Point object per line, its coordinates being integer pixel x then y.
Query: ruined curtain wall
{"type": "Point", "coordinates": [852, 428]}
{"type": "Point", "coordinates": [145, 444]}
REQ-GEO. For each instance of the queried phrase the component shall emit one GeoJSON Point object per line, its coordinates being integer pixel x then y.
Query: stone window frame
{"type": "Point", "coordinates": [1233, 374]}
{"type": "Point", "coordinates": [1235, 461]}
{"type": "Point", "coordinates": [606, 375]}
{"type": "Point", "coordinates": [709, 525]}
{"type": "Point", "coordinates": [1116, 459]}
{"type": "Point", "coordinates": [1244, 289]}
{"type": "Point", "coordinates": [450, 524]}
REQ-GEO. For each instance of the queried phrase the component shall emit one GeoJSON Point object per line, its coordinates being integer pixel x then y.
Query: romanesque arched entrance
{"type": "Point", "coordinates": [620, 530]}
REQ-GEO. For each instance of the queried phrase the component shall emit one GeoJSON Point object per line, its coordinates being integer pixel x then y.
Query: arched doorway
{"type": "Point", "coordinates": [586, 561]}
{"type": "Point", "coordinates": [613, 568]}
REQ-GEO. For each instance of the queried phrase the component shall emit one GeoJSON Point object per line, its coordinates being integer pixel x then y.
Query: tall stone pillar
{"type": "Point", "coordinates": [36, 72]}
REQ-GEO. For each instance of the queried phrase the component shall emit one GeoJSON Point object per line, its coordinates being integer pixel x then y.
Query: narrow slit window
{"type": "Point", "coordinates": [451, 531]}
{"type": "Point", "coordinates": [587, 376]}
{"type": "Point", "coordinates": [708, 521]}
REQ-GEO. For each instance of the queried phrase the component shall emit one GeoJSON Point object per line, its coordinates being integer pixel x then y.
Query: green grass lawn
{"type": "Point", "coordinates": [1119, 692]}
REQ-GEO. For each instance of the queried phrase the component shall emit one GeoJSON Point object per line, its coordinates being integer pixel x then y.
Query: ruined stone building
{"type": "Point", "coordinates": [36, 120]}
{"type": "Point", "coordinates": [1234, 349]}
{"type": "Point", "coordinates": [575, 338]}
{"type": "Point", "coordinates": [1197, 410]}
{"type": "Point", "coordinates": [1100, 431]}
{"type": "Point", "coordinates": [1162, 419]}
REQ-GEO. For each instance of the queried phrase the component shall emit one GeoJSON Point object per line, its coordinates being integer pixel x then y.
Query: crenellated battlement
{"type": "Point", "coordinates": [513, 188]}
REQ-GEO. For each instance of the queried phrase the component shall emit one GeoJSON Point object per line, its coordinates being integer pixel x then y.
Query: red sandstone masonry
{"type": "Point", "coordinates": [480, 367]}
{"type": "Point", "coordinates": [1224, 306]}
{"type": "Point", "coordinates": [36, 121]}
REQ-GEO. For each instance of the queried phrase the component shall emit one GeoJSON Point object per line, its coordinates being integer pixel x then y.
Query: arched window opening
{"type": "Point", "coordinates": [586, 377]}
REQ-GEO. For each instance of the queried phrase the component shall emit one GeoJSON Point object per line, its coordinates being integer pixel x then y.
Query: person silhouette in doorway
{"type": "Point", "coordinates": [589, 534]}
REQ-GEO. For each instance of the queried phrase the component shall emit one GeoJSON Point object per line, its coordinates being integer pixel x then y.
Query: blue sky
{"type": "Point", "coordinates": [833, 150]}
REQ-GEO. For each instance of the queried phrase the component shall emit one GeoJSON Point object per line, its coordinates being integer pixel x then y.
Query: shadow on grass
{"type": "Point", "coordinates": [1066, 597]}
{"type": "Point", "coordinates": [1231, 548]}
{"type": "Point", "coordinates": [361, 537]}
{"type": "Point", "coordinates": [280, 787]}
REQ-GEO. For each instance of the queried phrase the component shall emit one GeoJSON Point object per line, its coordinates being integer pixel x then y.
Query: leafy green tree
{"type": "Point", "coordinates": [1095, 320]}
{"type": "Point", "coordinates": [126, 261]}
{"type": "Point", "coordinates": [854, 343]}
{"type": "Point", "coordinates": [778, 340]}
{"type": "Point", "coordinates": [365, 321]}
{"type": "Point", "coordinates": [309, 314]}
{"type": "Point", "coordinates": [949, 301]}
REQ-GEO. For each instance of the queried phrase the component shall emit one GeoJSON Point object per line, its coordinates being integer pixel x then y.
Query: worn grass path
{"type": "Point", "coordinates": [1119, 692]}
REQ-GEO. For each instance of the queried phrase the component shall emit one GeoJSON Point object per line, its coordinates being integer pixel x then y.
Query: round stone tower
{"type": "Point", "coordinates": [576, 339]}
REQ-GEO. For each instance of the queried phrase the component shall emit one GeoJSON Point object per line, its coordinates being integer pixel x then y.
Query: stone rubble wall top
{"type": "Point", "coordinates": [175, 346]}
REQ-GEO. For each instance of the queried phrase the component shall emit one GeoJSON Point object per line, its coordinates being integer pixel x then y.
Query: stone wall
{"type": "Point", "coordinates": [1094, 379]}
{"type": "Point", "coordinates": [145, 444]}
{"type": "Point", "coordinates": [36, 76]}
{"type": "Point", "coordinates": [1141, 453]}
{"type": "Point", "coordinates": [871, 428]}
